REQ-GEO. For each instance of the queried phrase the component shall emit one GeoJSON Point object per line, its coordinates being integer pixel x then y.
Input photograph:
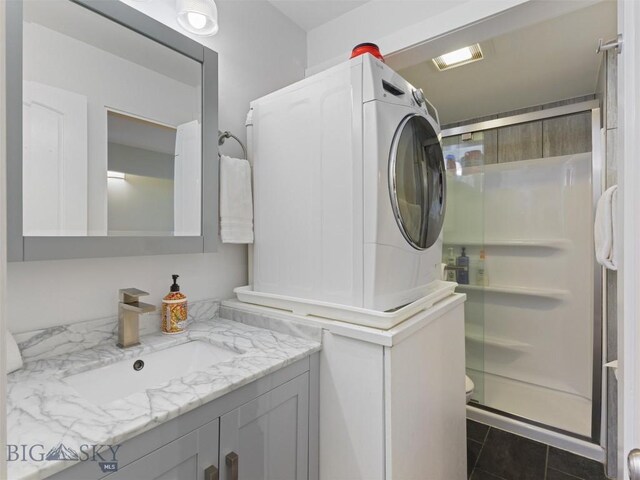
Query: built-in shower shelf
{"type": "Point", "coordinates": [556, 244]}
{"type": "Point", "coordinates": [524, 291]}
{"type": "Point", "coordinates": [496, 341]}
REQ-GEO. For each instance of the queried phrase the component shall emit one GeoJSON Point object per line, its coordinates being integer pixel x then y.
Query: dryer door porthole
{"type": "Point", "coordinates": [417, 181]}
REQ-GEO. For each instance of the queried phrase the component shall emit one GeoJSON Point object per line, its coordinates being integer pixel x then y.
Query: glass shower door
{"type": "Point", "coordinates": [464, 232]}
{"type": "Point", "coordinates": [520, 206]}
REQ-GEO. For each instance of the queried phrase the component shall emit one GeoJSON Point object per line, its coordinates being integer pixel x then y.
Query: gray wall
{"type": "Point", "coordinates": [142, 202]}
{"type": "Point", "coordinates": [140, 205]}
{"type": "Point", "coordinates": [260, 50]}
{"type": "Point", "coordinates": [138, 161]}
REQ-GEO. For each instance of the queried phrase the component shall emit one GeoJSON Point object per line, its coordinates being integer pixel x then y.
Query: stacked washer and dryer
{"type": "Point", "coordinates": [349, 202]}
{"type": "Point", "coordinates": [349, 189]}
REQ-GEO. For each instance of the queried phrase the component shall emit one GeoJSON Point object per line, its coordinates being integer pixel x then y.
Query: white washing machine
{"type": "Point", "coordinates": [349, 189]}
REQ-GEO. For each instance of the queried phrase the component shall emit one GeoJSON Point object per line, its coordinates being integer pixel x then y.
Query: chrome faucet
{"type": "Point", "coordinates": [129, 311]}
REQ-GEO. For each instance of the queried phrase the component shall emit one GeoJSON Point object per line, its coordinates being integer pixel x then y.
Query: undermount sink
{"type": "Point", "coordinates": [126, 377]}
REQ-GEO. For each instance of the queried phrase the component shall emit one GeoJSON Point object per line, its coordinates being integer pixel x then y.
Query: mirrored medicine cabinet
{"type": "Point", "coordinates": [111, 133]}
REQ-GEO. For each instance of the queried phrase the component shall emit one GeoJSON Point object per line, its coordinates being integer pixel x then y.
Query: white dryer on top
{"type": "Point", "coordinates": [349, 189]}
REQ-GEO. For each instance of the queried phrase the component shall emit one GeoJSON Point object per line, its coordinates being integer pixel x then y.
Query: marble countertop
{"type": "Point", "coordinates": [43, 410]}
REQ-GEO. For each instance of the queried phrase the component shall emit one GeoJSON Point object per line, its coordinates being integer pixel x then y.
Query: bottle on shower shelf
{"type": "Point", "coordinates": [451, 262]}
{"type": "Point", "coordinates": [482, 278]}
{"type": "Point", "coordinates": [462, 275]}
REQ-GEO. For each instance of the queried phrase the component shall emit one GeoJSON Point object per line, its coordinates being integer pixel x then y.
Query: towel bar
{"type": "Point", "coordinates": [222, 136]}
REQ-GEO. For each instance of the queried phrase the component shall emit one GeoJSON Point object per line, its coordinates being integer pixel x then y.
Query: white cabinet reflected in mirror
{"type": "Point", "coordinates": [95, 86]}
{"type": "Point", "coordinates": [112, 129]}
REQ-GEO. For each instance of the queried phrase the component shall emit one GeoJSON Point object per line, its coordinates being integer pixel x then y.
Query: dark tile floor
{"type": "Point", "coordinates": [494, 454]}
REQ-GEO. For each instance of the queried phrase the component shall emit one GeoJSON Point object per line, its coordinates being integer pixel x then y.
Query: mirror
{"type": "Point", "coordinates": [118, 134]}
{"type": "Point", "coordinates": [98, 98]}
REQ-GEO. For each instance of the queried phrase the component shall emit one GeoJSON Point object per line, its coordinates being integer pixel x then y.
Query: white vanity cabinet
{"type": "Point", "coordinates": [267, 438]}
{"type": "Point", "coordinates": [186, 458]}
{"type": "Point", "coordinates": [264, 430]}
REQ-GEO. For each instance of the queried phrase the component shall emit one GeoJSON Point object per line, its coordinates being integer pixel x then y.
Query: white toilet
{"type": "Point", "coordinates": [469, 386]}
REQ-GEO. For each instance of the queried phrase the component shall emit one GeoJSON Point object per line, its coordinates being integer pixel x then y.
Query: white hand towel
{"type": "Point", "coordinates": [14, 359]}
{"type": "Point", "coordinates": [606, 224]}
{"type": "Point", "coordinates": [236, 201]}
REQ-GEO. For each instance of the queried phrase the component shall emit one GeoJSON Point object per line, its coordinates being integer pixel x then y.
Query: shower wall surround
{"type": "Point", "coordinates": [543, 138]}
{"type": "Point", "coordinates": [537, 308]}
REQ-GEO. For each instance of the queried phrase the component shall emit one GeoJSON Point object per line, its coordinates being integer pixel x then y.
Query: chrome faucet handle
{"type": "Point", "coordinates": [131, 295]}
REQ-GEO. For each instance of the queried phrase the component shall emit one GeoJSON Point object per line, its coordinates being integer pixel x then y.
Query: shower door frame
{"type": "Point", "coordinates": [599, 286]}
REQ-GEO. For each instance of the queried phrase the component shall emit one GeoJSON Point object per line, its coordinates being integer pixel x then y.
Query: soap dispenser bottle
{"type": "Point", "coordinates": [462, 274]}
{"type": "Point", "coordinates": [174, 310]}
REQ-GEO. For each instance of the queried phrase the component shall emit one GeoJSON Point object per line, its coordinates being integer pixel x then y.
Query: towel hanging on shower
{"type": "Point", "coordinates": [606, 224]}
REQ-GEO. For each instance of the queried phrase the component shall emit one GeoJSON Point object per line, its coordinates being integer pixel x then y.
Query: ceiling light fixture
{"type": "Point", "coordinates": [459, 57]}
{"type": "Point", "coordinates": [199, 17]}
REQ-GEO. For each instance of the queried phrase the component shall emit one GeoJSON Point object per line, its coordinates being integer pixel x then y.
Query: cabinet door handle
{"type": "Point", "coordinates": [634, 464]}
{"type": "Point", "coordinates": [211, 473]}
{"type": "Point", "coordinates": [232, 466]}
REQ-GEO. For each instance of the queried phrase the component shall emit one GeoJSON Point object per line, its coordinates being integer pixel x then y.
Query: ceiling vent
{"type": "Point", "coordinates": [459, 57]}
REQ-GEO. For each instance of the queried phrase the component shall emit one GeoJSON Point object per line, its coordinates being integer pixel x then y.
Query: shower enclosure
{"type": "Point", "coordinates": [522, 190]}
